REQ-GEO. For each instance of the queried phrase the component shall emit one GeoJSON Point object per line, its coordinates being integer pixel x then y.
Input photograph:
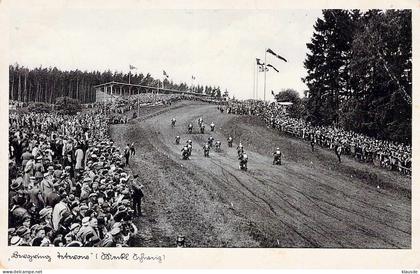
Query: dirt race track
{"type": "Point", "coordinates": [309, 201]}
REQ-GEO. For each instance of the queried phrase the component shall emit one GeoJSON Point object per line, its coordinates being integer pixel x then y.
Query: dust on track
{"type": "Point", "coordinates": [309, 201]}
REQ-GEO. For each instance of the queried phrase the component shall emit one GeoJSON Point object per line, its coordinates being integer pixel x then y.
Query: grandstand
{"type": "Point", "coordinates": [113, 90]}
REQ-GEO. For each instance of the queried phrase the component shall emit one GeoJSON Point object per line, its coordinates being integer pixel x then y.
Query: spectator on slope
{"type": "Point", "coordinates": [137, 195]}
{"type": "Point", "coordinates": [127, 154]}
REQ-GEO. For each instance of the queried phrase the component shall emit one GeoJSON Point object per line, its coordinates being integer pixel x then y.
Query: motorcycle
{"type": "Point", "coordinates": [210, 141]}
{"type": "Point", "coordinates": [190, 128]}
{"type": "Point", "coordinates": [277, 159]}
{"type": "Point", "coordinates": [230, 142]}
{"type": "Point", "coordinates": [177, 139]}
{"type": "Point", "coordinates": [212, 127]}
{"type": "Point", "coordinates": [217, 146]}
{"type": "Point", "coordinates": [243, 162]}
{"type": "Point", "coordinates": [206, 151]}
{"type": "Point", "coordinates": [173, 122]}
{"type": "Point", "coordinates": [185, 154]}
{"type": "Point", "coordinates": [202, 129]}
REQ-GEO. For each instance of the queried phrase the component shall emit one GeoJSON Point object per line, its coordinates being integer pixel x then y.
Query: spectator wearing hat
{"type": "Point", "coordinates": [39, 167]}
{"type": "Point", "coordinates": [25, 234]}
{"type": "Point", "coordinates": [47, 184]}
{"type": "Point", "coordinates": [29, 171]}
{"type": "Point", "coordinates": [15, 188]}
{"type": "Point", "coordinates": [93, 200]}
{"type": "Point", "coordinates": [39, 232]}
{"type": "Point", "coordinates": [18, 212]}
{"type": "Point", "coordinates": [26, 156]}
{"type": "Point", "coordinates": [50, 175]}
{"type": "Point", "coordinates": [85, 229]}
{"type": "Point", "coordinates": [74, 230]}
{"type": "Point", "coordinates": [45, 216]}
{"type": "Point", "coordinates": [67, 183]}
{"type": "Point", "coordinates": [35, 149]}
{"type": "Point", "coordinates": [26, 221]}
{"type": "Point", "coordinates": [79, 159]}
{"type": "Point", "coordinates": [16, 241]}
{"type": "Point", "coordinates": [85, 190]}
{"type": "Point", "coordinates": [59, 209]}
{"type": "Point", "coordinates": [83, 209]}
{"type": "Point", "coordinates": [35, 193]}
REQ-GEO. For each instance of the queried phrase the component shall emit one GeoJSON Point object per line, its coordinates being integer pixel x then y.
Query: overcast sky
{"type": "Point", "coordinates": [219, 47]}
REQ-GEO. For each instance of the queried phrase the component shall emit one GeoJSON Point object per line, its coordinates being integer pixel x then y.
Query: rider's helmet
{"type": "Point", "coordinates": [277, 148]}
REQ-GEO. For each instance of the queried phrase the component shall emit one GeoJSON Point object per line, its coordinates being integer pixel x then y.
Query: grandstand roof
{"type": "Point", "coordinates": [112, 83]}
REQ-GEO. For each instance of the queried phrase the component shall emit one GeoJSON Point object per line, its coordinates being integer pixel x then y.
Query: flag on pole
{"type": "Point", "coordinates": [271, 66]}
{"type": "Point", "coordinates": [132, 67]}
{"type": "Point", "coordinates": [262, 68]}
{"type": "Point", "coordinates": [275, 54]}
{"type": "Point", "coordinates": [165, 74]}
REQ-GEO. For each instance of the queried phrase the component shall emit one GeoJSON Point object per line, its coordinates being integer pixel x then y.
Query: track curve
{"type": "Point", "coordinates": [309, 201]}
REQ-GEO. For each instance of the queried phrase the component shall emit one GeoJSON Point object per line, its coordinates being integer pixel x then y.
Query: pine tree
{"type": "Point", "coordinates": [327, 65]}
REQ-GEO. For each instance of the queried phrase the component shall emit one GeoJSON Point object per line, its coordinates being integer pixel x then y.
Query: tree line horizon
{"type": "Point", "coordinates": [45, 84]}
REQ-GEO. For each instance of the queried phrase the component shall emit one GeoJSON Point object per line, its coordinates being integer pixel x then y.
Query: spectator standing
{"type": "Point", "coordinates": [137, 195]}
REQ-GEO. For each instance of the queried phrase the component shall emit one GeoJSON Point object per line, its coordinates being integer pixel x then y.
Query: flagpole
{"type": "Point", "coordinates": [265, 70]}
{"type": "Point", "coordinates": [256, 87]}
{"type": "Point", "coordinates": [253, 94]}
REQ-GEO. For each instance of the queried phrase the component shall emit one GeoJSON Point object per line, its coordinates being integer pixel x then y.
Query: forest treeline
{"type": "Point", "coordinates": [46, 84]}
{"type": "Point", "coordinates": [359, 72]}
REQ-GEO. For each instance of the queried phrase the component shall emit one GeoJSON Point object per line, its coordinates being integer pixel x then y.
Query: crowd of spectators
{"type": "Point", "coordinates": [116, 110]}
{"type": "Point", "coordinates": [388, 154]}
{"type": "Point", "coordinates": [69, 184]}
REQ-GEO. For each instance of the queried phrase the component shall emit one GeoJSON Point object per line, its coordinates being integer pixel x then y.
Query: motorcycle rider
{"type": "Point", "coordinates": [240, 149]}
{"type": "Point", "coordinates": [206, 149]}
{"type": "Point", "coordinates": [185, 152]}
{"type": "Point", "coordinates": [177, 139]}
{"type": "Point", "coordinates": [210, 141]}
{"type": "Point", "coordinates": [173, 121]}
{"type": "Point", "coordinates": [200, 121]}
{"type": "Point", "coordinates": [230, 141]}
{"type": "Point", "coordinates": [277, 156]}
{"type": "Point", "coordinates": [212, 125]}
{"type": "Point", "coordinates": [189, 146]}
{"type": "Point", "coordinates": [202, 127]}
{"type": "Point", "coordinates": [218, 145]}
{"type": "Point", "coordinates": [243, 160]}
{"type": "Point", "coordinates": [190, 128]}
